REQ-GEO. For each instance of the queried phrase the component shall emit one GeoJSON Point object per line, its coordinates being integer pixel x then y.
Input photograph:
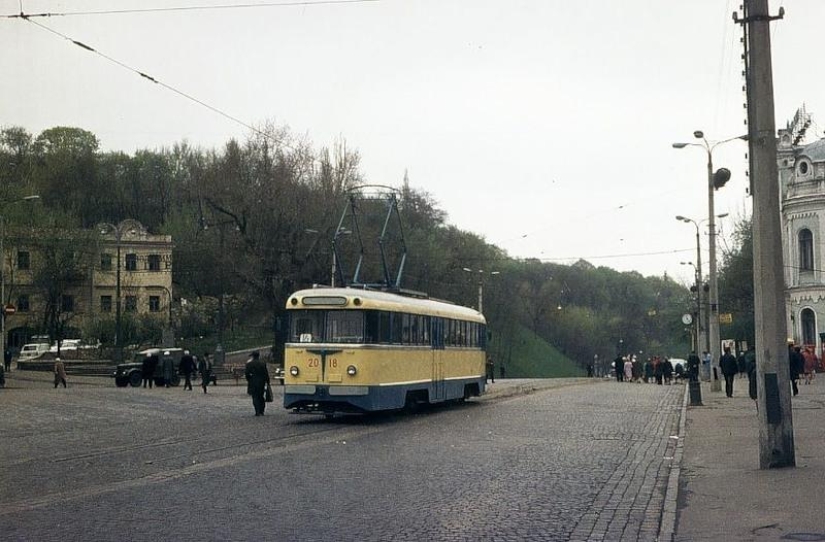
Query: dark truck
{"type": "Point", "coordinates": [131, 373]}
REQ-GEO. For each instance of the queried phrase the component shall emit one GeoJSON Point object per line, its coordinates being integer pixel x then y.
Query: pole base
{"type": "Point", "coordinates": [695, 393]}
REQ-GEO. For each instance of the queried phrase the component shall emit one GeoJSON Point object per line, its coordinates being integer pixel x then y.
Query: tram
{"type": "Point", "coordinates": [353, 350]}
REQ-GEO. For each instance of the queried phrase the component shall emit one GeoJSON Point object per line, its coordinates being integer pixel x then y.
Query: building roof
{"type": "Point", "coordinates": [814, 151]}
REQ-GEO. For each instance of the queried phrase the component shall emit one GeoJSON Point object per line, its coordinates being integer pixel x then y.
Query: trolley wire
{"type": "Point", "coordinates": [23, 15]}
{"type": "Point", "coordinates": [156, 81]}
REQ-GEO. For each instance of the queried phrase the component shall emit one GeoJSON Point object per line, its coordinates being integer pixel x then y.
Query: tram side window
{"type": "Point", "coordinates": [396, 327]}
{"type": "Point", "coordinates": [345, 327]}
{"type": "Point", "coordinates": [406, 328]}
{"type": "Point", "coordinates": [306, 326]}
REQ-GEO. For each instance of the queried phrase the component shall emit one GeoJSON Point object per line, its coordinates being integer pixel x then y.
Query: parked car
{"type": "Point", "coordinates": [130, 373]}
{"type": "Point", "coordinates": [32, 351]}
{"type": "Point", "coordinates": [66, 344]}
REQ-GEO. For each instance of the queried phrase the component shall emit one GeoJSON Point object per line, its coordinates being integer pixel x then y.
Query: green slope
{"type": "Point", "coordinates": [525, 355]}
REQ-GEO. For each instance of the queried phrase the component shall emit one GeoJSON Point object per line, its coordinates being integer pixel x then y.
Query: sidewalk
{"type": "Point", "coordinates": [723, 495]}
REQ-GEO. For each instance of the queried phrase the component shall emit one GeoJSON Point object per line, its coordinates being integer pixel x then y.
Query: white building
{"type": "Point", "coordinates": [802, 193]}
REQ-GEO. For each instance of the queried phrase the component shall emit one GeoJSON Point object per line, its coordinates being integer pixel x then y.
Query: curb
{"type": "Point", "coordinates": [667, 526]}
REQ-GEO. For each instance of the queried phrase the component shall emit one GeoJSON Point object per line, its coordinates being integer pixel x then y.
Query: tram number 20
{"type": "Point", "coordinates": [316, 362]}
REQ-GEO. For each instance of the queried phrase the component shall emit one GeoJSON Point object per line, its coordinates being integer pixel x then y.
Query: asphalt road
{"type": "Point", "coordinates": [583, 462]}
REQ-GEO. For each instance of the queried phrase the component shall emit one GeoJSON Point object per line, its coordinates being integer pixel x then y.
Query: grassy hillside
{"type": "Point", "coordinates": [524, 355]}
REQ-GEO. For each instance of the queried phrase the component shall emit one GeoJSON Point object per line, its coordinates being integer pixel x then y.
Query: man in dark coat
{"type": "Point", "coordinates": [257, 379]}
{"type": "Point", "coordinates": [147, 370]}
{"type": "Point", "coordinates": [797, 365]}
{"type": "Point", "coordinates": [187, 367]}
{"type": "Point", "coordinates": [729, 367]}
{"type": "Point", "coordinates": [168, 366]}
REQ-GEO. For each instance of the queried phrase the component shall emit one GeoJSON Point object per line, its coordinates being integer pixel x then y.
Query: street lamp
{"type": "Point", "coordinates": [698, 275]}
{"type": "Point", "coordinates": [481, 273]}
{"type": "Point", "coordinates": [698, 286]}
{"type": "Point", "coordinates": [715, 181]}
{"type": "Point", "coordinates": [3, 271]}
{"type": "Point", "coordinates": [118, 231]}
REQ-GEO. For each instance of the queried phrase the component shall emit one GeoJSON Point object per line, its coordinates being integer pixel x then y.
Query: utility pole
{"type": "Point", "coordinates": [776, 438]}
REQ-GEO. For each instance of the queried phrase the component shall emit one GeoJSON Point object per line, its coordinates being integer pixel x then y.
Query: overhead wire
{"type": "Point", "coordinates": [157, 82]}
{"type": "Point", "coordinates": [23, 15]}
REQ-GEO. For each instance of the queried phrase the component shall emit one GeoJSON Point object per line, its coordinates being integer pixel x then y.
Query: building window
{"type": "Point", "coordinates": [66, 303]}
{"type": "Point", "coordinates": [105, 303]}
{"type": "Point", "coordinates": [131, 303]}
{"type": "Point", "coordinates": [105, 262]}
{"type": "Point", "coordinates": [131, 262]}
{"type": "Point", "coordinates": [154, 262]}
{"type": "Point", "coordinates": [154, 303]}
{"type": "Point", "coordinates": [23, 260]}
{"type": "Point", "coordinates": [806, 250]}
{"type": "Point", "coordinates": [808, 327]}
{"type": "Point", "coordinates": [23, 303]}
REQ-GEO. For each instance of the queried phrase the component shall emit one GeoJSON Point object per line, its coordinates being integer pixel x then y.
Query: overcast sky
{"type": "Point", "coordinates": [545, 126]}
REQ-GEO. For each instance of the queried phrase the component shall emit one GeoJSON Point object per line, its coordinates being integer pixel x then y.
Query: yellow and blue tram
{"type": "Point", "coordinates": [360, 350]}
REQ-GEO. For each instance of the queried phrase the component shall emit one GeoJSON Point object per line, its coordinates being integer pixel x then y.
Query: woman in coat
{"type": "Point", "coordinates": [59, 372]}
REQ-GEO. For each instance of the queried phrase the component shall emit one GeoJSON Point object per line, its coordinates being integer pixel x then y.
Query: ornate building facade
{"type": "Point", "coordinates": [802, 193]}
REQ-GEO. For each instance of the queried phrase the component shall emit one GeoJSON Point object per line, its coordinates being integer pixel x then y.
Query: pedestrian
{"type": "Point", "coordinates": [648, 371]}
{"type": "Point", "coordinates": [729, 368]}
{"type": "Point", "coordinates": [168, 367]}
{"type": "Point", "coordinates": [637, 370]}
{"type": "Point", "coordinates": [187, 367]}
{"type": "Point", "coordinates": [2, 376]}
{"type": "Point", "coordinates": [750, 361]}
{"type": "Point", "coordinates": [742, 364]}
{"type": "Point", "coordinates": [810, 364]}
{"type": "Point", "coordinates": [706, 362]}
{"type": "Point", "coordinates": [59, 372]}
{"type": "Point", "coordinates": [628, 370]}
{"type": "Point", "coordinates": [618, 367]}
{"type": "Point", "coordinates": [147, 370]}
{"type": "Point", "coordinates": [205, 369]}
{"type": "Point", "coordinates": [658, 370]}
{"type": "Point", "coordinates": [678, 372]}
{"type": "Point", "coordinates": [796, 366]}
{"type": "Point", "coordinates": [667, 371]}
{"type": "Point", "coordinates": [7, 359]}
{"type": "Point", "coordinates": [590, 371]}
{"type": "Point", "coordinates": [693, 366]}
{"type": "Point", "coordinates": [491, 370]}
{"type": "Point", "coordinates": [257, 380]}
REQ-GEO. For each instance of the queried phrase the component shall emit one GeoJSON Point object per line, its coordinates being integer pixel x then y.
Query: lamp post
{"type": "Point", "coordinates": [118, 232]}
{"type": "Point", "coordinates": [697, 277]}
{"type": "Point", "coordinates": [715, 181]}
{"type": "Point", "coordinates": [3, 272]}
{"type": "Point", "coordinates": [698, 269]}
{"type": "Point", "coordinates": [481, 273]}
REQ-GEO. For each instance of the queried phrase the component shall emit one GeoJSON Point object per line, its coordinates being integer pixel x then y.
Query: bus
{"type": "Point", "coordinates": [353, 350]}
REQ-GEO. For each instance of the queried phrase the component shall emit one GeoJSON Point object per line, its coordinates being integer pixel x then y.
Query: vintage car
{"type": "Point", "coordinates": [130, 373]}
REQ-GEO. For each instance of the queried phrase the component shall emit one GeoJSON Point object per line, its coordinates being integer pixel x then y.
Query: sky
{"type": "Point", "coordinates": [544, 126]}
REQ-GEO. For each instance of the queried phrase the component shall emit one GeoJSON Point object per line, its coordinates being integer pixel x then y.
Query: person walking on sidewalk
{"type": "Point", "coordinates": [729, 367]}
{"type": "Point", "coordinates": [187, 367]}
{"type": "Point", "coordinates": [59, 372]}
{"type": "Point", "coordinates": [797, 365]}
{"type": "Point", "coordinates": [7, 359]}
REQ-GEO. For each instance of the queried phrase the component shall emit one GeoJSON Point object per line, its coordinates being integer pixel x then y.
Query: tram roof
{"type": "Point", "coordinates": [356, 298]}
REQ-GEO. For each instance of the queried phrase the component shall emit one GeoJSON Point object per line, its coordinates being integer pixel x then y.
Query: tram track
{"type": "Point", "coordinates": [272, 447]}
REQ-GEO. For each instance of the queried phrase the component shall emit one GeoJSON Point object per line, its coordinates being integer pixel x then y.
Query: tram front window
{"type": "Point", "coordinates": [345, 327]}
{"type": "Point", "coordinates": [306, 326]}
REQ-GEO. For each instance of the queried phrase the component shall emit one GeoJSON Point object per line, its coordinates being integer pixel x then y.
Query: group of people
{"type": "Point", "coordinates": [189, 366]}
{"type": "Point", "coordinates": [656, 369]}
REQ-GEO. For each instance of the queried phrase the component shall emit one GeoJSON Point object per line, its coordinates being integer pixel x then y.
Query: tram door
{"type": "Point", "coordinates": [438, 385]}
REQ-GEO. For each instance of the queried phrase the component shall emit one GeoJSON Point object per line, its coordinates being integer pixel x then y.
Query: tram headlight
{"type": "Point", "coordinates": [351, 370]}
{"type": "Point", "coordinates": [293, 370]}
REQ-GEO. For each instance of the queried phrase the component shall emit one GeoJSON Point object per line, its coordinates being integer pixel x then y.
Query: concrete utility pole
{"type": "Point", "coordinates": [776, 439]}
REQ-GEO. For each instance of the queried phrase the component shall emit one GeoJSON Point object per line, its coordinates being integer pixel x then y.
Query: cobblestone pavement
{"type": "Point", "coordinates": [581, 462]}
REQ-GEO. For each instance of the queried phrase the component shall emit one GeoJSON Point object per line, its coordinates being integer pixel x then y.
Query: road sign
{"type": "Point", "coordinates": [9, 310]}
{"type": "Point", "coordinates": [726, 318]}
